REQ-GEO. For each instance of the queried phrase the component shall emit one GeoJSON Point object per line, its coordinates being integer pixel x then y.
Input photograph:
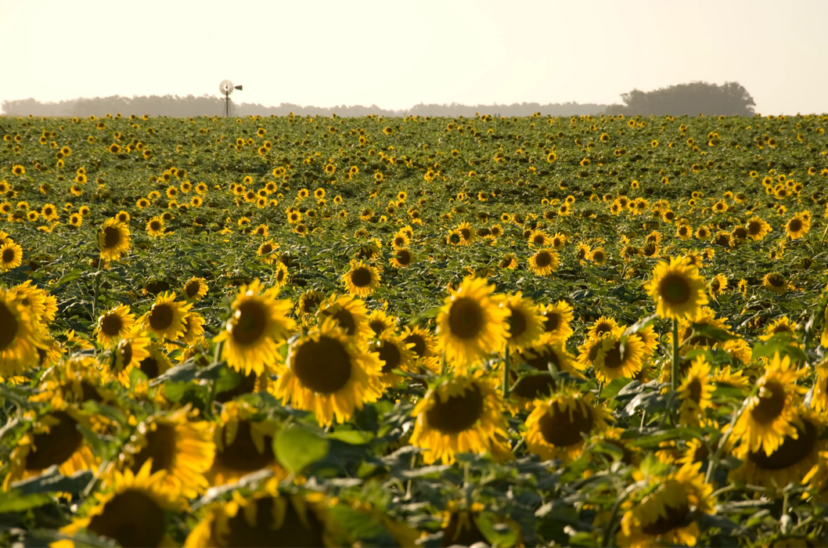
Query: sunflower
{"type": "Point", "coordinates": [362, 279]}
{"type": "Point", "coordinates": [779, 326]}
{"type": "Point", "coordinates": [460, 415]}
{"type": "Point", "coordinates": [327, 373]}
{"type": "Point", "coordinates": [508, 262]}
{"type": "Point", "coordinates": [267, 252]}
{"type": "Point", "coordinates": [155, 227]}
{"type": "Point", "coordinates": [394, 353]}
{"type": "Point", "coordinates": [402, 258]}
{"type": "Point", "coordinates": [243, 444]}
{"type": "Point", "coordinates": [602, 326]}
{"type": "Point", "coordinates": [351, 314]}
{"type": "Point", "coordinates": [135, 513]}
{"type": "Point", "coordinates": [797, 227]}
{"type": "Point", "coordinates": [556, 426]}
{"type": "Point", "coordinates": [114, 324]}
{"type": "Point", "coordinates": [775, 282]}
{"type": "Point", "coordinates": [790, 461]}
{"type": "Point", "coordinates": [75, 380]}
{"type": "Point", "coordinates": [193, 329]}
{"type": "Point", "coordinates": [525, 321]}
{"type": "Point", "coordinates": [677, 288]}
{"type": "Point", "coordinates": [53, 440]}
{"type": "Point", "coordinates": [257, 328]}
{"type": "Point", "coordinates": [195, 289]}
{"type": "Point", "coordinates": [19, 338]}
{"type": "Point", "coordinates": [11, 256]}
{"type": "Point", "coordinates": [166, 317]}
{"type": "Point", "coordinates": [280, 275]}
{"type": "Point", "coordinates": [544, 262]}
{"type": "Point", "coordinates": [695, 393]}
{"type": "Point", "coordinates": [131, 349]}
{"type": "Point", "coordinates": [609, 358]}
{"type": "Point", "coordinates": [267, 518]}
{"type": "Point", "coordinates": [472, 324]}
{"type": "Point", "coordinates": [156, 362]}
{"type": "Point", "coordinates": [717, 285]}
{"type": "Point", "coordinates": [424, 347]}
{"type": "Point", "coordinates": [770, 416]}
{"type": "Point", "coordinates": [556, 321]}
{"type": "Point", "coordinates": [113, 240]}
{"type": "Point", "coordinates": [309, 302]}
{"type": "Point", "coordinates": [182, 448]}
{"type": "Point", "coordinates": [664, 514]}
{"type": "Point", "coordinates": [380, 322]}
{"type": "Point", "coordinates": [757, 229]}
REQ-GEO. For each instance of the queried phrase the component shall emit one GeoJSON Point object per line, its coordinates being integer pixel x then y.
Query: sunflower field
{"type": "Point", "coordinates": [310, 331]}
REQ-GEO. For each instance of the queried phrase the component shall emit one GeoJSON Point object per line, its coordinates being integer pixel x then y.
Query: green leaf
{"type": "Point", "coordinates": [780, 343]}
{"type": "Point", "coordinates": [711, 332]}
{"type": "Point", "coordinates": [353, 437]}
{"type": "Point", "coordinates": [614, 387]}
{"type": "Point", "coordinates": [497, 532]}
{"type": "Point", "coordinates": [296, 448]}
{"type": "Point", "coordinates": [424, 316]}
{"type": "Point", "coordinates": [52, 481]}
{"type": "Point", "coordinates": [17, 502]}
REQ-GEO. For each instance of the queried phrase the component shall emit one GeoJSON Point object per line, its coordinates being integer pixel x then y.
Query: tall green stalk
{"type": "Point", "coordinates": [506, 374]}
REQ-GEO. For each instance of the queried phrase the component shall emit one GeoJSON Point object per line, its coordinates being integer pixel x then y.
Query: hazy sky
{"type": "Point", "coordinates": [396, 54]}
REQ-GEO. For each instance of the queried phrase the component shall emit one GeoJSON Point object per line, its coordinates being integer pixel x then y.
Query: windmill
{"type": "Point", "coordinates": [227, 87]}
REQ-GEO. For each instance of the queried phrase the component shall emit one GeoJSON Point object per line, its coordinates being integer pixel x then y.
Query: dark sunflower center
{"type": "Point", "coordinates": [791, 452]}
{"type": "Point", "coordinates": [160, 448]}
{"type": "Point", "coordinates": [612, 357]}
{"type": "Point", "coordinates": [457, 413]}
{"type": "Point", "coordinates": [361, 277]}
{"type": "Point", "coordinates": [664, 524]}
{"type": "Point", "coordinates": [130, 518]}
{"type": "Point", "coordinates": [295, 530]}
{"type": "Point", "coordinates": [517, 323]}
{"type": "Point", "coordinates": [695, 389]}
{"type": "Point", "coordinates": [462, 532]}
{"type": "Point", "coordinates": [125, 350]}
{"type": "Point", "coordinates": [149, 366]}
{"type": "Point", "coordinates": [191, 289]}
{"type": "Point", "coordinates": [543, 259]}
{"type": "Point", "coordinates": [404, 257]}
{"type": "Point", "coordinates": [795, 225]}
{"type": "Point", "coordinates": [533, 387]}
{"type": "Point", "coordinates": [112, 237]}
{"type": "Point", "coordinates": [8, 327]}
{"type": "Point", "coordinates": [161, 317]}
{"type": "Point", "coordinates": [754, 228]}
{"type": "Point", "coordinates": [563, 428]}
{"type": "Point", "coordinates": [322, 366]}
{"type": "Point", "coordinates": [55, 446]}
{"type": "Point", "coordinates": [155, 225]}
{"type": "Point", "coordinates": [674, 288]}
{"type": "Point", "coordinates": [8, 255]}
{"type": "Point", "coordinates": [243, 455]}
{"type": "Point", "coordinates": [250, 324]}
{"type": "Point", "coordinates": [541, 363]}
{"type": "Point", "coordinates": [552, 322]}
{"type": "Point", "coordinates": [771, 405]}
{"type": "Point", "coordinates": [538, 239]}
{"type": "Point", "coordinates": [346, 321]}
{"type": "Point", "coordinates": [465, 318]}
{"type": "Point", "coordinates": [602, 328]}
{"type": "Point", "coordinates": [390, 354]}
{"type": "Point", "coordinates": [776, 280]}
{"type": "Point", "coordinates": [598, 257]}
{"type": "Point", "coordinates": [266, 248]}
{"type": "Point", "coordinates": [740, 233]}
{"type": "Point", "coordinates": [465, 233]}
{"type": "Point", "coordinates": [377, 326]}
{"type": "Point", "coordinates": [419, 343]}
{"type": "Point", "coordinates": [111, 325]}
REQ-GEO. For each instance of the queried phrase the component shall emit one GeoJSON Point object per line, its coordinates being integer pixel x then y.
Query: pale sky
{"type": "Point", "coordinates": [396, 53]}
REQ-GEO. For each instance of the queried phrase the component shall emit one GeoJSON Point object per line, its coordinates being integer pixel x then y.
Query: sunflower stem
{"type": "Point", "coordinates": [444, 367]}
{"type": "Point", "coordinates": [674, 373]}
{"type": "Point", "coordinates": [615, 508]}
{"type": "Point", "coordinates": [97, 289]}
{"type": "Point", "coordinates": [506, 374]}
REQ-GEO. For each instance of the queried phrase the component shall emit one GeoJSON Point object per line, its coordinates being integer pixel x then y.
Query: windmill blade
{"type": "Point", "coordinates": [239, 88]}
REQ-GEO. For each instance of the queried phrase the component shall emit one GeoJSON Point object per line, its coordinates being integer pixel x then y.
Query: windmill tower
{"type": "Point", "coordinates": [227, 87]}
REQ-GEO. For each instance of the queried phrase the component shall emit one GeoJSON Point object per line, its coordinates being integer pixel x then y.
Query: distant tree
{"type": "Point", "coordinates": [191, 106]}
{"type": "Point", "coordinates": [693, 98]}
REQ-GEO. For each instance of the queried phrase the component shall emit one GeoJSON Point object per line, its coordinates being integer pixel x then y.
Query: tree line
{"type": "Point", "coordinates": [692, 99]}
